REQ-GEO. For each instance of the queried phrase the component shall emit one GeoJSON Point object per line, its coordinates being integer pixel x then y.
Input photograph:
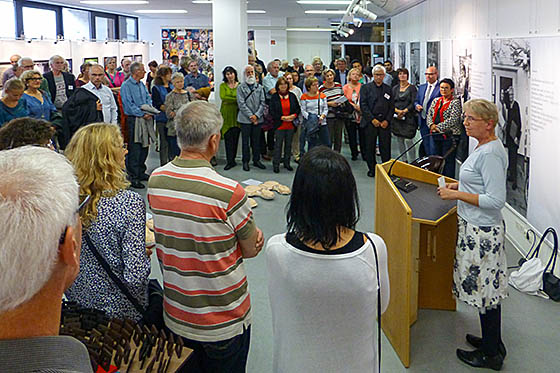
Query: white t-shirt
{"type": "Point", "coordinates": [324, 307]}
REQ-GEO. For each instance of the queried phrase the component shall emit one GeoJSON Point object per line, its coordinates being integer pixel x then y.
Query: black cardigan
{"type": "Point", "coordinates": [69, 81]}
{"type": "Point", "coordinates": [276, 108]}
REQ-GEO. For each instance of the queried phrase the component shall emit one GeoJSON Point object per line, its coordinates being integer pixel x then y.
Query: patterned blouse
{"type": "Point", "coordinates": [119, 235]}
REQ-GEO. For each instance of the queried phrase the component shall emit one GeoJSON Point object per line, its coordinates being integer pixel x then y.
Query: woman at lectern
{"type": "Point", "coordinates": [480, 270]}
{"type": "Point", "coordinates": [323, 274]}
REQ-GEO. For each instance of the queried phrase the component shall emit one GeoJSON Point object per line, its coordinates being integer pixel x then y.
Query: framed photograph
{"type": "Point", "coordinates": [138, 58]}
{"type": "Point", "coordinates": [131, 57]}
{"type": "Point", "coordinates": [42, 66]}
{"type": "Point", "coordinates": [92, 60]}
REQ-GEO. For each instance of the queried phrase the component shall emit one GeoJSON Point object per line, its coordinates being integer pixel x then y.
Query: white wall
{"type": "Point", "coordinates": [482, 20]}
{"type": "Point", "coordinates": [40, 50]}
{"type": "Point", "coordinates": [305, 45]}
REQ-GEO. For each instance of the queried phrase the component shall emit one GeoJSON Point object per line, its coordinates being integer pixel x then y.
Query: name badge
{"type": "Point", "coordinates": [70, 87]}
{"type": "Point", "coordinates": [387, 97]}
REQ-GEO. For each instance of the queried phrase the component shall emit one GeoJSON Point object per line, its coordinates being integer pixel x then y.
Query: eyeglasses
{"type": "Point", "coordinates": [430, 74]}
{"type": "Point", "coordinates": [35, 79]}
{"type": "Point", "coordinates": [470, 119]}
{"type": "Point", "coordinates": [78, 210]}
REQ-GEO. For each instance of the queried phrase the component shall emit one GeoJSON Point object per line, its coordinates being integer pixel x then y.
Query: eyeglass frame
{"type": "Point", "coordinates": [78, 210]}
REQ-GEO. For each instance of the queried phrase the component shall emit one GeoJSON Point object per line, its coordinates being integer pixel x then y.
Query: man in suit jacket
{"type": "Point", "coordinates": [341, 72]}
{"type": "Point", "coordinates": [427, 92]}
{"type": "Point", "coordinates": [61, 84]}
{"type": "Point", "coordinates": [377, 110]}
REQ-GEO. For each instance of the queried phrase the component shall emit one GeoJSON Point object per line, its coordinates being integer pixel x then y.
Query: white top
{"type": "Point", "coordinates": [324, 307]}
{"type": "Point", "coordinates": [484, 173]}
{"type": "Point", "coordinates": [107, 101]}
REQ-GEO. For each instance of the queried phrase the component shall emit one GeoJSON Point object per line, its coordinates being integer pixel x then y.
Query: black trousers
{"type": "Point", "coordinates": [137, 154]}
{"type": "Point", "coordinates": [491, 327]}
{"type": "Point", "coordinates": [512, 161]}
{"type": "Point", "coordinates": [362, 141]}
{"type": "Point", "coordinates": [267, 141]}
{"type": "Point", "coordinates": [441, 147]}
{"type": "Point", "coordinates": [352, 129]}
{"type": "Point", "coordinates": [373, 133]}
{"type": "Point", "coordinates": [250, 140]}
{"type": "Point", "coordinates": [231, 139]}
{"type": "Point", "coordinates": [283, 139]}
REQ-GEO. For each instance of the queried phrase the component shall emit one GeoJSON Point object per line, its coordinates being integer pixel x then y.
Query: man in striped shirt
{"type": "Point", "coordinates": [204, 229]}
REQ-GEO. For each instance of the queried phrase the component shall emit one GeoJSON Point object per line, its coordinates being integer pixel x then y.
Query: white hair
{"type": "Point", "coordinates": [54, 58]}
{"type": "Point", "coordinates": [38, 200]}
{"type": "Point", "coordinates": [195, 123]}
{"type": "Point", "coordinates": [379, 68]}
{"type": "Point", "coordinates": [23, 59]}
{"type": "Point", "coordinates": [245, 71]}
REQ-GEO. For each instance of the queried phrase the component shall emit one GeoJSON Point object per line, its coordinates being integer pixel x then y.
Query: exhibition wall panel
{"type": "Point", "coordinates": [503, 50]}
{"type": "Point", "coordinates": [74, 51]}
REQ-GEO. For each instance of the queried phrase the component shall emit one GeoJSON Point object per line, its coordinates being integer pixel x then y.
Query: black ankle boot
{"type": "Point", "coordinates": [479, 359]}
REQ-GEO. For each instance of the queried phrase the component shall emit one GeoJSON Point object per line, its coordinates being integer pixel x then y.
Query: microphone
{"type": "Point", "coordinates": [404, 185]}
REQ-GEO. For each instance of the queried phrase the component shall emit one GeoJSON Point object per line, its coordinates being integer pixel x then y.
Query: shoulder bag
{"type": "Point", "coordinates": [311, 124]}
{"type": "Point", "coordinates": [153, 314]}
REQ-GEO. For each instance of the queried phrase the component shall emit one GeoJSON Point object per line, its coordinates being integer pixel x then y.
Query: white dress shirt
{"type": "Point", "coordinates": [107, 100]}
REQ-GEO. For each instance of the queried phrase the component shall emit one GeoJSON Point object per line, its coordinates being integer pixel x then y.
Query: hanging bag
{"type": "Point", "coordinates": [551, 283]}
{"type": "Point", "coordinates": [153, 314]}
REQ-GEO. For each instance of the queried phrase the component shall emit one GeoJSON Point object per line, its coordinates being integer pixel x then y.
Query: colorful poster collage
{"type": "Point", "coordinates": [195, 43]}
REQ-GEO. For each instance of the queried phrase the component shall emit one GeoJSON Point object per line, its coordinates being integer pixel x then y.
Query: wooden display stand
{"type": "Point", "coordinates": [420, 231]}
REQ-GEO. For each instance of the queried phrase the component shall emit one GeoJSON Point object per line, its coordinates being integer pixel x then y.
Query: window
{"type": "Point", "coordinates": [39, 23]}
{"type": "Point", "coordinates": [76, 24]}
{"type": "Point", "coordinates": [8, 24]}
{"type": "Point", "coordinates": [128, 28]}
{"type": "Point", "coordinates": [104, 28]}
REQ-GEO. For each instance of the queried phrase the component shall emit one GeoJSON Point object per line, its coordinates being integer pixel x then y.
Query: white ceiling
{"type": "Point", "coordinates": [273, 8]}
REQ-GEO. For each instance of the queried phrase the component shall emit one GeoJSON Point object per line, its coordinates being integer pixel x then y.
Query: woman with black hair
{"type": "Point", "coordinates": [444, 114]}
{"type": "Point", "coordinates": [231, 129]}
{"type": "Point", "coordinates": [323, 274]}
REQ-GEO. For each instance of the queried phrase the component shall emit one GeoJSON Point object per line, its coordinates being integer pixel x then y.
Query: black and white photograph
{"type": "Point", "coordinates": [415, 63]}
{"type": "Point", "coordinates": [432, 54]}
{"type": "Point", "coordinates": [511, 74]}
{"type": "Point", "coordinates": [402, 55]}
{"type": "Point", "coordinates": [461, 69]}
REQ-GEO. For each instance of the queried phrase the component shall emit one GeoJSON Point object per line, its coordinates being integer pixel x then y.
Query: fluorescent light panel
{"type": "Point", "coordinates": [253, 11]}
{"type": "Point", "coordinates": [161, 11]}
{"type": "Point", "coordinates": [115, 2]}
{"type": "Point", "coordinates": [326, 2]}
{"type": "Point", "coordinates": [325, 12]}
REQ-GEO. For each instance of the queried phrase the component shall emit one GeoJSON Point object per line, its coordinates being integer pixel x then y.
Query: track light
{"type": "Point", "coordinates": [364, 13]}
{"type": "Point", "coordinates": [357, 22]}
{"type": "Point", "coordinates": [342, 33]}
{"type": "Point", "coordinates": [347, 30]}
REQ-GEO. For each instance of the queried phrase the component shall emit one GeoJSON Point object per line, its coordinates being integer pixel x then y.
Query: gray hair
{"type": "Point", "coordinates": [177, 75]}
{"type": "Point", "coordinates": [23, 59]}
{"type": "Point", "coordinates": [38, 200]}
{"type": "Point", "coordinates": [195, 123]}
{"type": "Point", "coordinates": [270, 64]}
{"type": "Point", "coordinates": [14, 84]}
{"type": "Point", "coordinates": [341, 59]}
{"type": "Point", "coordinates": [245, 71]}
{"type": "Point", "coordinates": [95, 65]}
{"type": "Point", "coordinates": [28, 75]}
{"type": "Point", "coordinates": [135, 66]}
{"type": "Point", "coordinates": [379, 68]}
{"type": "Point", "coordinates": [54, 58]}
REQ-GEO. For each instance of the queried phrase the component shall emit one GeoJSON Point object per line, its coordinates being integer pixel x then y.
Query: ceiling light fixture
{"type": "Point", "coordinates": [326, 2]}
{"type": "Point", "coordinates": [256, 11]}
{"type": "Point", "coordinates": [115, 2]}
{"type": "Point", "coordinates": [310, 29]}
{"type": "Point", "coordinates": [163, 11]}
{"type": "Point", "coordinates": [325, 11]}
{"type": "Point", "coordinates": [202, 2]}
{"type": "Point", "coordinates": [364, 13]}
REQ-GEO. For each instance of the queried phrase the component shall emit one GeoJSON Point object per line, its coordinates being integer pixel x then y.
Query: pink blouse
{"type": "Point", "coordinates": [115, 80]}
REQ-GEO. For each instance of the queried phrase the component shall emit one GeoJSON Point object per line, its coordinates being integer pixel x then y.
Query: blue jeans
{"type": "Point", "coordinates": [229, 356]}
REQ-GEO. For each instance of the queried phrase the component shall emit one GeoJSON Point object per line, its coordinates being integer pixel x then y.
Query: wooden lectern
{"type": "Point", "coordinates": [420, 231]}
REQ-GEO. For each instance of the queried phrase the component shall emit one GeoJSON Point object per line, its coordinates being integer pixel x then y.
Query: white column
{"type": "Point", "coordinates": [229, 22]}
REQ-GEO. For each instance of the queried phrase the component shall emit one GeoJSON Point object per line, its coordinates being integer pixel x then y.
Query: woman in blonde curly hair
{"type": "Point", "coordinates": [114, 219]}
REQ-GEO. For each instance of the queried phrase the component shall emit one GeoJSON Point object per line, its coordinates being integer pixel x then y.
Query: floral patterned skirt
{"type": "Point", "coordinates": [480, 269]}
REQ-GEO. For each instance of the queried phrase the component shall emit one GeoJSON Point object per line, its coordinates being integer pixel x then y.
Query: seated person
{"type": "Point", "coordinates": [40, 235]}
{"type": "Point", "coordinates": [323, 274]}
{"type": "Point", "coordinates": [26, 131]}
{"type": "Point", "coordinates": [114, 219]}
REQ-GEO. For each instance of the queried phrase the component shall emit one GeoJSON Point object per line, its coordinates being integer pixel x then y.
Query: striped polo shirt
{"type": "Point", "coordinates": [199, 216]}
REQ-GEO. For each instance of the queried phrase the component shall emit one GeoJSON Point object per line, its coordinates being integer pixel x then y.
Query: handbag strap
{"type": "Point", "coordinates": [378, 303]}
{"type": "Point", "coordinates": [552, 259]}
{"type": "Point", "coordinates": [113, 276]}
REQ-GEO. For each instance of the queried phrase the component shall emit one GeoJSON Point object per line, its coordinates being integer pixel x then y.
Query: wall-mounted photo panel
{"type": "Point", "coordinates": [511, 74]}
{"type": "Point", "coordinates": [433, 54]}
{"type": "Point", "coordinates": [138, 58]}
{"type": "Point", "coordinates": [402, 55]}
{"type": "Point", "coordinates": [92, 60]}
{"type": "Point", "coordinates": [415, 63]}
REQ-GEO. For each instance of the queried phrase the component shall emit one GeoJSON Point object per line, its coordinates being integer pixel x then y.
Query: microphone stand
{"type": "Point", "coordinates": [404, 185]}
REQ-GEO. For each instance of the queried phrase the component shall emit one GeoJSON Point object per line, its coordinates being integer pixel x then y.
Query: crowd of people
{"type": "Point", "coordinates": [204, 226]}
